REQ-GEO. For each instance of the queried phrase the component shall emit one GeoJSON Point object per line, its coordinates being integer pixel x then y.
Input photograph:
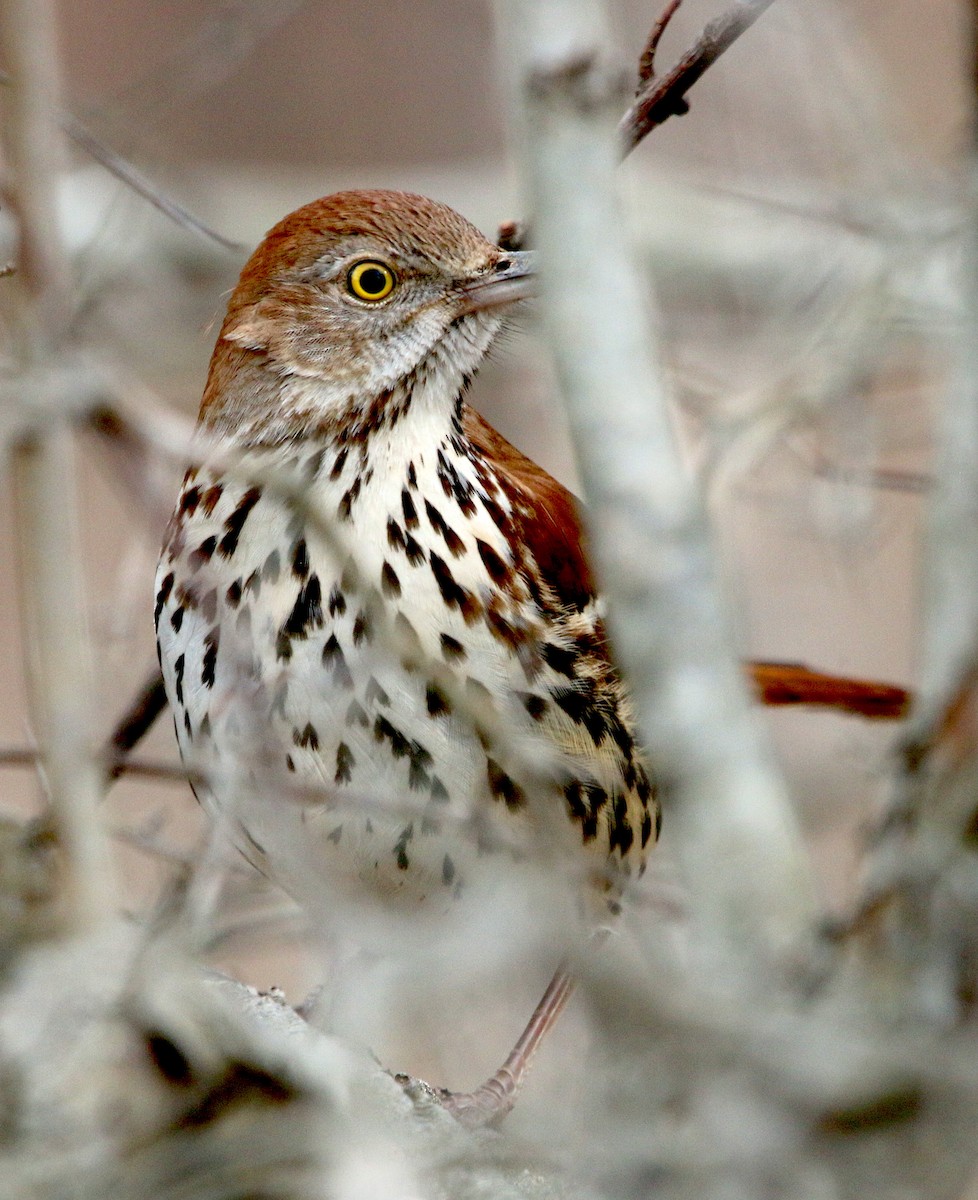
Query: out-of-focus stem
{"type": "Point", "coordinates": [42, 472]}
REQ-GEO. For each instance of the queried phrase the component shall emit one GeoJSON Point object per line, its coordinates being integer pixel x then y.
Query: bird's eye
{"type": "Point", "coordinates": [370, 280]}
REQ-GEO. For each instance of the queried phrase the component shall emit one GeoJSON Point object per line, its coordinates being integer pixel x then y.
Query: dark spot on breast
{"type": "Point", "coordinates": [209, 499]}
{"type": "Point", "coordinates": [235, 522]}
{"type": "Point", "coordinates": [536, 706]}
{"type": "Point", "coordinates": [384, 730]}
{"type": "Point", "coordinates": [253, 584]}
{"type": "Point", "coordinates": [503, 631]}
{"type": "Point", "coordinates": [176, 619]}
{"type": "Point", "coordinates": [454, 486]}
{"type": "Point", "coordinates": [356, 714]}
{"type": "Point", "coordinates": [646, 832]}
{"type": "Point", "coordinates": [300, 559]}
{"type": "Point", "coordinates": [344, 763]}
{"type": "Point", "coordinates": [418, 777]}
{"type": "Point", "coordinates": [307, 738]}
{"type": "Point", "coordinates": [307, 612]}
{"type": "Point", "coordinates": [186, 724]}
{"type": "Point", "coordinates": [348, 499]}
{"type": "Point", "coordinates": [503, 787]}
{"type": "Point", "coordinates": [559, 658]}
{"type": "Point", "coordinates": [338, 464]}
{"type": "Point", "coordinates": [496, 513]}
{"type": "Point", "coordinates": [436, 701]}
{"type": "Point", "coordinates": [178, 669]}
{"type": "Point", "coordinates": [499, 572]}
{"type": "Point", "coordinates": [584, 802]}
{"type": "Point", "coordinates": [439, 793]}
{"type": "Point", "coordinates": [233, 594]}
{"type": "Point", "coordinates": [166, 587]}
{"type": "Point", "coordinates": [205, 725]}
{"type": "Point", "coordinates": [440, 526]}
{"type": "Point", "coordinates": [362, 629]}
{"type": "Point", "coordinates": [451, 648]}
{"type": "Point", "coordinates": [410, 512]}
{"type": "Point", "coordinates": [580, 705]}
{"type": "Point", "coordinates": [400, 847]}
{"type": "Point", "coordinates": [283, 646]}
{"type": "Point", "coordinates": [395, 535]}
{"type": "Point", "coordinates": [413, 550]}
{"type": "Point", "coordinates": [337, 602]}
{"type": "Point", "coordinates": [452, 593]}
{"type": "Point", "coordinates": [621, 836]}
{"type": "Point", "coordinates": [447, 871]}
{"type": "Point", "coordinates": [189, 501]}
{"type": "Point", "coordinates": [289, 762]}
{"type": "Point", "coordinates": [390, 585]}
{"type": "Point", "coordinates": [211, 641]}
{"type": "Point", "coordinates": [412, 476]}
{"type": "Point", "coordinates": [334, 835]}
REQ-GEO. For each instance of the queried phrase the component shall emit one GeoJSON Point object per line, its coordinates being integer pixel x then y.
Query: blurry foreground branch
{"type": "Point", "coordinates": [748, 876]}
{"type": "Point", "coordinates": [42, 470]}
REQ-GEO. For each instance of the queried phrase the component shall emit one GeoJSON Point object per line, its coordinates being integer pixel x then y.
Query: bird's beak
{"type": "Point", "coordinates": [514, 278]}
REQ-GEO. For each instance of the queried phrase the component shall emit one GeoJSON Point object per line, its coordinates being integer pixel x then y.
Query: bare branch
{"type": "Point", "coordinates": [664, 98]}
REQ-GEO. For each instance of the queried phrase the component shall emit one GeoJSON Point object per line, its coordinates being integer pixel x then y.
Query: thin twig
{"type": "Point", "coordinates": [664, 98]}
{"type": "Point", "coordinates": [122, 169]}
{"type": "Point", "coordinates": [646, 64]}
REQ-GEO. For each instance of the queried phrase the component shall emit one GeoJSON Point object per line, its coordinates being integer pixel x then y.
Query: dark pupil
{"type": "Point", "coordinates": [373, 280]}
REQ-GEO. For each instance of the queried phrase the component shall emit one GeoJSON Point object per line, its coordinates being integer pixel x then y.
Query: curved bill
{"type": "Point", "coordinates": [514, 278]}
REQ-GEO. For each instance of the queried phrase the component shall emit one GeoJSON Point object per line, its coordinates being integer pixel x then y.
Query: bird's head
{"type": "Point", "coordinates": [351, 297]}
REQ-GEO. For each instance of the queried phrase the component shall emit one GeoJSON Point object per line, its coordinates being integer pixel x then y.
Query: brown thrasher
{"type": "Point", "coordinates": [382, 709]}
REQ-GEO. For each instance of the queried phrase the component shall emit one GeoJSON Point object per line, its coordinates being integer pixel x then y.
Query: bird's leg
{"type": "Point", "coordinates": [490, 1102]}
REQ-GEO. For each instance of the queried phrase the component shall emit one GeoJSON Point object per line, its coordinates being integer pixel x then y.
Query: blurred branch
{"type": "Point", "coordinates": [140, 717]}
{"type": "Point", "coordinates": [780, 684]}
{"type": "Point", "coordinates": [663, 98]}
{"type": "Point", "coordinates": [123, 170]}
{"type": "Point", "coordinates": [49, 567]}
{"type": "Point", "coordinates": [749, 877]}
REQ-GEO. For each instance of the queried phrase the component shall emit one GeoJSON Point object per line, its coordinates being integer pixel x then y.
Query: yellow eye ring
{"type": "Point", "coordinates": [370, 280]}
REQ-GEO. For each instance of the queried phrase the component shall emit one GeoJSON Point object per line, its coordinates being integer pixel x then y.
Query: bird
{"type": "Point", "coordinates": [378, 630]}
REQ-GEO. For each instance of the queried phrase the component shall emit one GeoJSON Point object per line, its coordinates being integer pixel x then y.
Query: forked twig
{"type": "Point", "coordinates": [661, 99]}
{"type": "Point", "coordinates": [646, 64]}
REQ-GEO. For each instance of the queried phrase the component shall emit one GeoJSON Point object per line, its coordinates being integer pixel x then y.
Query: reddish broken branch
{"type": "Point", "coordinates": [780, 684]}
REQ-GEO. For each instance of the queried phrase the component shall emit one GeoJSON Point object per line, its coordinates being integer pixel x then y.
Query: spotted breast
{"type": "Point", "coordinates": [376, 623]}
